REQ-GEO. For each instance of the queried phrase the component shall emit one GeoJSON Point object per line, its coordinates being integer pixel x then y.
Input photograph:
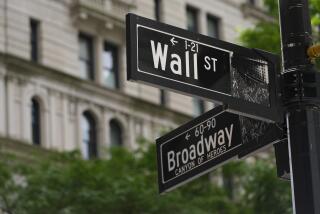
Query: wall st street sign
{"type": "Point", "coordinates": [169, 56]}
{"type": "Point", "coordinates": [205, 67]}
{"type": "Point", "coordinates": [197, 147]}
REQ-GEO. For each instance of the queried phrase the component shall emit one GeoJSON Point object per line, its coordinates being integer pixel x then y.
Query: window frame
{"type": "Point", "coordinates": [90, 74]}
{"type": "Point", "coordinates": [252, 2]}
{"type": "Point", "coordinates": [34, 39]}
{"type": "Point", "coordinates": [92, 145]}
{"type": "Point", "coordinates": [200, 105]}
{"type": "Point", "coordinates": [35, 123]}
{"type": "Point", "coordinates": [115, 50]}
{"type": "Point", "coordinates": [195, 12]}
{"type": "Point", "coordinates": [158, 14]}
{"type": "Point", "coordinates": [119, 127]}
{"type": "Point", "coordinates": [158, 9]}
{"type": "Point", "coordinates": [217, 20]}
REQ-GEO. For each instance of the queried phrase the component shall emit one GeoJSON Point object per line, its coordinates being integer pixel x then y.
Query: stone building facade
{"type": "Point", "coordinates": [63, 70]}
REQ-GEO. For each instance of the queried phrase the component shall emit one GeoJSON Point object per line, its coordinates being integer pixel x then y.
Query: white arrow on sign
{"type": "Point", "coordinates": [173, 41]}
{"type": "Point", "coordinates": [187, 136]}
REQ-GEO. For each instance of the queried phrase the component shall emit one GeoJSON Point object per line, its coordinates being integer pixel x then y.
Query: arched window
{"type": "Point", "coordinates": [115, 133]}
{"type": "Point", "coordinates": [35, 122]}
{"type": "Point", "coordinates": [89, 136]}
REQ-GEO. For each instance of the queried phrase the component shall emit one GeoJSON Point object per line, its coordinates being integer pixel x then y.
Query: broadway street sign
{"type": "Point", "coordinates": [194, 64]}
{"type": "Point", "coordinates": [207, 142]}
{"type": "Point", "coordinates": [197, 147]}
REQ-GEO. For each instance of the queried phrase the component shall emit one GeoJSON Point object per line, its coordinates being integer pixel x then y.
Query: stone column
{"type": "Point", "coordinates": [65, 127]}
{"type": "Point", "coordinates": [3, 92]}
{"type": "Point", "coordinates": [202, 22]}
{"type": "Point", "coordinates": [131, 136]}
{"type": "Point", "coordinates": [25, 112]}
{"type": "Point", "coordinates": [10, 113]}
{"type": "Point", "coordinates": [52, 120]}
{"type": "Point", "coordinates": [98, 59]}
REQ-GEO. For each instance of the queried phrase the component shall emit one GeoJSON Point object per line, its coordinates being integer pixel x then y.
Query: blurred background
{"type": "Point", "coordinates": [63, 70]}
{"type": "Point", "coordinates": [63, 88]}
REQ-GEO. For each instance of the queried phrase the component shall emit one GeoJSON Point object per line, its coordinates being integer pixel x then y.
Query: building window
{"type": "Point", "coordinates": [115, 133]}
{"type": "Point", "coordinates": [192, 19]}
{"type": "Point", "coordinates": [252, 2]}
{"type": "Point", "coordinates": [198, 106]}
{"type": "Point", "coordinates": [192, 25]}
{"type": "Point", "coordinates": [163, 97]}
{"type": "Point", "coordinates": [86, 56]}
{"type": "Point", "coordinates": [213, 26]}
{"type": "Point", "coordinates": [35, 122]}
{"type": "Point", "coordinates": [110, 74]}
{"type": "Point", "coordinates": [34, 39]}
{"type": "Point", "coordinates": [157, 9]}
{"type": "Point", "coordinates": [89, 136]}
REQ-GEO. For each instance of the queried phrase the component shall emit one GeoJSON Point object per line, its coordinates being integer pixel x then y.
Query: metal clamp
{"type": "Point", "coordinates": [301, 86]}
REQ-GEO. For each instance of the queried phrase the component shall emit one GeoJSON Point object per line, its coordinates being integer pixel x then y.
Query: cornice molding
{"type": "Point", "coordinates": [18, 68]}
{"type": "Point", "coordinates": [249, 10]}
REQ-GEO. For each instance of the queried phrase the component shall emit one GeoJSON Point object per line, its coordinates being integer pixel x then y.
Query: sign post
{"type": "Point", "coordinates": [301, 98]}
{"type": "Point", "coordinates": [246, 82]}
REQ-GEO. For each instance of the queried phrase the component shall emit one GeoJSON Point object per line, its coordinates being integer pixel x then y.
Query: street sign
{"type": "Point", "coordinates": [197, 65]}
{"type": "Point", "coordinates": [209, 141]}
{"type": "Point", "coordinates": [197, 147]}
{"type": "Point", "coordinates": [257, 135]}
{"type": "Point", "coordinates": [282, 159]}
{"type": "Point", "coordinates": [243, 80]}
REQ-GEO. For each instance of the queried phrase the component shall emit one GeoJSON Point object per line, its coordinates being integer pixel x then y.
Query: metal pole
{"type": "Point", "coordinates": [300, 96]}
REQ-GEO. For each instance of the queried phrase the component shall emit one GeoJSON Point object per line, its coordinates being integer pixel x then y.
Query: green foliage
{"type": "Point", "coordinates": [127, 183]}
{"type": "Point", "coordinates": [315, 10]}
{"type": "Point", "coordinates": [260, 186]}
{"type": "Point", "coordinates": [264, 194]}
{"type": "Point", "coordinates": [272, 7]}
{"type": "Point", "coordinates": [266, 35]}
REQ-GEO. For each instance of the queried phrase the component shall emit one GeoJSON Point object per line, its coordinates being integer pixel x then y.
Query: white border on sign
{"type": "Point", "coordinates": [149, 28]}
{"type": "Point", "coordinates": [163, 181]}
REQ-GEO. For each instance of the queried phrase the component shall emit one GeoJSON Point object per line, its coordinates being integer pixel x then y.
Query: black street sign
{"type": "Point", "coordinates": [244, 80]}
{"type": "Point", "coordinates": [207, 142]}
{"type": "Point", "coordinates": [194, 64]}
{"type": "Point", "coordinates": [257, 135]}
{"type": "Point", "coordinates": [282, 159]}
{"type": "Point", "coordinates": [197, 147]}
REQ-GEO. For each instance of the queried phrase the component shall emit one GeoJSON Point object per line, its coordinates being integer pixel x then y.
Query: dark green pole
{"type": "Point", "coordinates": [300, 97]}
